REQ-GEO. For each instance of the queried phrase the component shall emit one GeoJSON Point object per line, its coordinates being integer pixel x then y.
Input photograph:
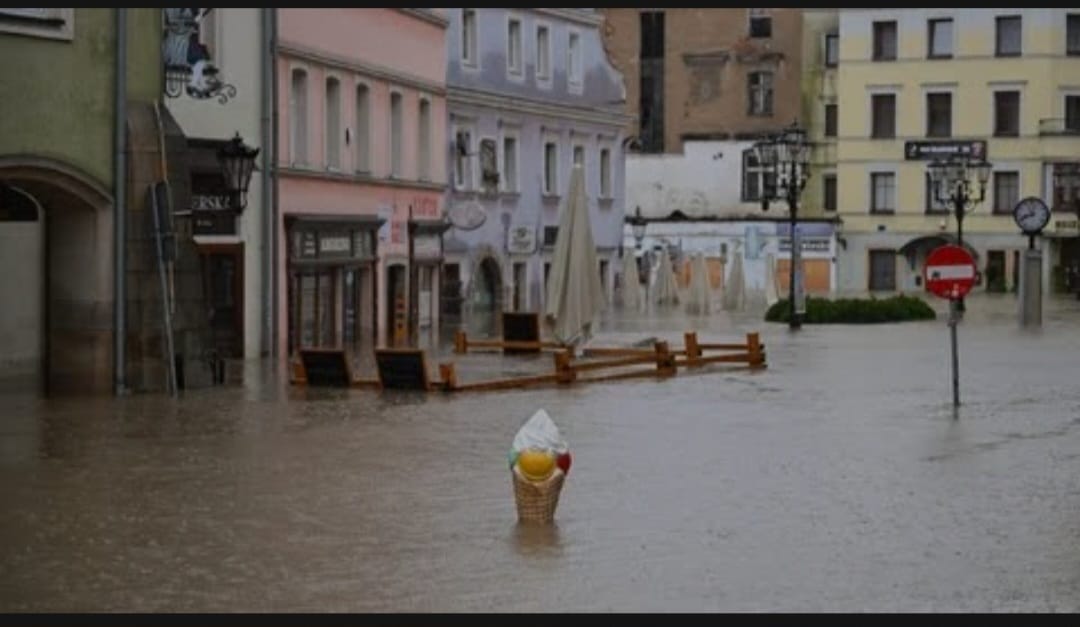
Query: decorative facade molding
{"type": "Point", "coordinates": [346, 177]}
{"type": "Point", "coordinates": [458, 95]}
{"type": "Point", "coordinates": [428, 16]}
{"type": "Point", "coordinates": [369, 70]}
{"type": "Point", "coordinates": [574, 15]}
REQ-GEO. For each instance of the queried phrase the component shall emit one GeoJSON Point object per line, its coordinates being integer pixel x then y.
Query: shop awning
{"type": "Point", "coordinates": [932, 241]}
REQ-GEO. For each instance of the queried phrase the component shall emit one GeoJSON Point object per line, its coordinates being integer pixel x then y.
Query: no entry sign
{"type": "Point", "coordinates": [950, 272]}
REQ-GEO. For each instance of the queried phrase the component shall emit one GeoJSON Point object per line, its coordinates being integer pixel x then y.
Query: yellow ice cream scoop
{"type": "Point", "coordinates": [536, 465]}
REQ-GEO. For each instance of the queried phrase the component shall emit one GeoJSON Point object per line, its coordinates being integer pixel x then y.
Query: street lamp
{"type": "Point", "coordinates": [785, 161]}
{"type": "Point", "coordinates": [952, 182]}
{"type": "Point", "coordinates": [237, 160]}
{"type": "Point", "coordinates": [637, 226]}
{"type": "Point", "coordinates": [1067, 195]}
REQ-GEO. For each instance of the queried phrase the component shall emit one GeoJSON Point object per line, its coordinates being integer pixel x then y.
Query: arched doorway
{"type": "Point", "coordinates": [22, 316]}
{"type": "Point", "coordinates": [66, 284]}
{"type": "Point", "coordinates": [486, 297]}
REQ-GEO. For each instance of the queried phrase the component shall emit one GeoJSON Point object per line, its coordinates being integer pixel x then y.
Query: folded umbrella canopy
{"type": "Point", "coordinates": [631, 287]}
{"type": "Point", "coordinates": [697, 301]}
{"type": "Point", "coordinates": [666, 290]}
{"type": "Point", "coordinates": [734, 297]}
{"type": "Point", "coordinates": [575, 294]}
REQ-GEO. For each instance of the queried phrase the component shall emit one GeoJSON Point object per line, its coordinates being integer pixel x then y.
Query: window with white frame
{"type": "Point", "coordinates": [463, 149]}
{"type": "Point", "coordinates": [509, 163]}
{"type": "Point", "coordinates": [363, 128]}
{"type": "Point", "coordinates": [1008, 35]}
{"type": "Point", "coordinates": [543, 52]}
{"type": "Point", "coordinates": [551, 167]}
{"type": "Point", "coordinates": [423, 140]}
{"type": "Point", "coordinates": [760, 88]}
{"type": "Point", "coordinates": [1006, 191]}
{"type": "Point", "coordinates": [298, 136]}
{"type": "Point", "coordinates": [832, 49]}
{"type": "Point", "coordinates": [397, 129]}
{"type": "Point", "coordinates": [760, 23]}
{"type": "Point", "coordinates": [574, 61]}
{"type": "Point", "coordinates": [468, 36]}
{"type": "Point", "coordinates": [605, 173]}
{"type": "Point", "coordinates": [1072, 34]}
{"type": "Point", "coordinates": [1072, 113]}
{"type": "Point", "coordinates": [883, 192]}
{"type": "Point", "coordinates": [46, 23]}
{"type": "Point", "coordinates": [513, 45]}
{"type": "Point", "coordinates": [755, 177]}
{"type": "Point", "coordinates": [333, 124]}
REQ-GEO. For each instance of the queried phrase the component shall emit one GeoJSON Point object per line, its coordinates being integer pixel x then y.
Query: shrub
{"type": "Point", "coordinates": [856, 310]}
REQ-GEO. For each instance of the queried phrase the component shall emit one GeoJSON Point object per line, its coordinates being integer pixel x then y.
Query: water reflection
{"type": "Point", "coordinates": [531, 539]}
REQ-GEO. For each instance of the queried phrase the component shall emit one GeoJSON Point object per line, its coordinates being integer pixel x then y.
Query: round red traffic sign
{"type": "Point", "coordinates": [950, 271]}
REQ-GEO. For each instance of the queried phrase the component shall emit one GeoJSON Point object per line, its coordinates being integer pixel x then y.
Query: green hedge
{"type": "Point", "coordinates": [855, 310]}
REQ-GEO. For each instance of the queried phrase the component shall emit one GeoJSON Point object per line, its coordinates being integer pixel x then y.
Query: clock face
{"type": "Point", "coordinates": [1031, 215]}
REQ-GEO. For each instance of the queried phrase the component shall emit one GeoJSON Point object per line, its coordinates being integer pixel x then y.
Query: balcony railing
{"type": "Point", "coordinates": [1059, 126]}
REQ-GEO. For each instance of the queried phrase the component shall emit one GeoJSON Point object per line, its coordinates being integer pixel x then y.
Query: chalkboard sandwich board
{"type": "Point", "coordinates": [326, 367]}
{"type": "Point", "coordinates": [402, 368]}
{"type": "Point", "coordinates": [521, 327]}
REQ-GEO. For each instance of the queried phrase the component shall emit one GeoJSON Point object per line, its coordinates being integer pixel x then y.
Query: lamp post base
{"type": "Point", "coordinates": [795, 322]}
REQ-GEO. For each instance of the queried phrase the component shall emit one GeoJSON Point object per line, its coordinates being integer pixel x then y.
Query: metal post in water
{"type": "Point", "coordinates": [953, 319]}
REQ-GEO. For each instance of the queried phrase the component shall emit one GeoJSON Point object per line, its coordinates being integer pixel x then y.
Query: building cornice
{"type": "Point", "coordinates": [365, 179]}
{"type": "Point", "coordinates": [428, 16]}
{"type": "Point", "coordinates": [370, 70]}
{"type": "Point", "coordinates": [458, 95]}
{"type": "Point", "coordinates": [574, 15]}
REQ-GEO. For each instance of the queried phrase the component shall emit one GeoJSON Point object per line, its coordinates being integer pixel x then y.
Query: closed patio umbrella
{"type": "Point", "coordinates": [697, 301]}
{"type": "Point", "coordinates": [631, 286]}
{"type": "Point", "coordinates": [575, 294]}
{"type": "Point", "coordinates": [666, 289]}
{"type": "Point", "coordinates": [735, 291]}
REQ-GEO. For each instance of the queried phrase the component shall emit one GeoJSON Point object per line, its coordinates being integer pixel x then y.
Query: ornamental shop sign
{"type": "Point", "coordinates": [923, 150]}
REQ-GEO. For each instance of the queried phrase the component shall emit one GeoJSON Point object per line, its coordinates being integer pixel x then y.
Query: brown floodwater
{"type": "Point", "coordinates": [838, 479]}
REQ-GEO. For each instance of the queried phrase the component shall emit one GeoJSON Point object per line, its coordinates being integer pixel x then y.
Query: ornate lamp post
{"type": "Point", "coordinates": [961, 182]}
{"type": "Point", "coordinates": [237, 161]}
{"type": "Point", "coordinates": [1067, 180]}
{"type": "Point", "coordinates": [785, 159]}
{"type": "Point", "coordinates": [637, 227]}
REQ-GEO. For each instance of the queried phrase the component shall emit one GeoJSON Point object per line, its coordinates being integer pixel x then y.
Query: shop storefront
{"type": "Point", "coordinates": [331, 287]}
{"type": "Point", "coordinates": [427, 258]}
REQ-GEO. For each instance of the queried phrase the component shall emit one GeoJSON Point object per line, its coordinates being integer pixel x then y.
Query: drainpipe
{"type": "Point", "coordinates": [120, 205]}
{"type": "Point", "coordinates": [271, 161]}
{"type": "Point", "coordinates": [267, 106]}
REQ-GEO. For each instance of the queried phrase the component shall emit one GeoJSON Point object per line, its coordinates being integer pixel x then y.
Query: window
{"type": "Point", "coordinates": [396, 130]}
{"type": "Point", "coordinates": [509, 167]}
{"type": "Point", "coordinates": [829, 202]}
{"type": "Point", "coordinates": [884, 116]}
{"type": "Point", "coordinates": [1008, 36]}
{"type": "Point", "coordinates": [933, 206]}
{"type": "Point", "coordinates": [1072, 114]}
{"type": "Point", "coordinates": [1006, 113]}
{"type": "Point", "coordinates": [513, 46]}
{"type": "Point", "coordinates": [883, 192]}
{"type": "Point", "coordinates": [760, 86]}
{"type": "Point", "coordinates": [760, 23]}
{"type": "Point", "coordinates": [551, 165]}
{"type": "Point", "coordinates": [468, 36]}
{"type": "Point", "coordinates": [363, 129]}
{"type": "Point", "coordinates": [651, 93]}
{"type": "Point", "coordinates": [1072, 34]}
{"type": "Point", "coordinates": [543, 52]}
{"type": "Point", "coordinates": [298, 118]}
{"type": "Point", "coordinates": [832, 50]}
{"type": "Point", "coordinates": [573, 60]}
{"type": "Point", "coordinates": [333, 124]}
{"type": "Point", "coordinates": [1065, 191]}
{"type": "Point", "coordinates": [605, 173]}
{"type": "Point", "coordinates": [1006, 191]}
{"type": "Point", "coordinates": [46, 23]}
{"type": "Point", "coordinates": [755, 177]}
{"type": "Point", "coordinates": [939, 115]}
{"type": "Point", "coordinates": [579, 160]}
{"type": "Point", "coordinates": [885, 41]}
{"type": "Point", "coordinates": [489, 166]}
{"type": "Point", "coordinates": [462, 159]}
{"type": "Point", "coordinates": [423, 143]}
{"type": "Point", "coordinates": [882, 270]}
{"type": "Point", "coordinates": [941, 39]}
{"type": "Point", "coordinates": [830, 120]}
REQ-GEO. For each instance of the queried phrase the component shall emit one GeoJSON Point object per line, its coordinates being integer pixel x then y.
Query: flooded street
{"type": "Point", "coordinates": [836, 480]}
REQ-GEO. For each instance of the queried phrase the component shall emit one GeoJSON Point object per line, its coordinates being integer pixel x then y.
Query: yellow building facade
{"type": "Point", "coordinates": [1006, 81]}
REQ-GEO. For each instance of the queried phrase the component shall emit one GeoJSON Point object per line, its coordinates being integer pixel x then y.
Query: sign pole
{"type": "Point", "coordinates": [953, 319]}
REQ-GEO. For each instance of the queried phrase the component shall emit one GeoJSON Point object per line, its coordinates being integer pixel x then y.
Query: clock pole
{"type": "Point", "coordinates": [1031, 215]}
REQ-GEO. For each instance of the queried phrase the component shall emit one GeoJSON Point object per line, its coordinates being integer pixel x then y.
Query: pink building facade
{"type": "Point", "coordinates": [361, 172]}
